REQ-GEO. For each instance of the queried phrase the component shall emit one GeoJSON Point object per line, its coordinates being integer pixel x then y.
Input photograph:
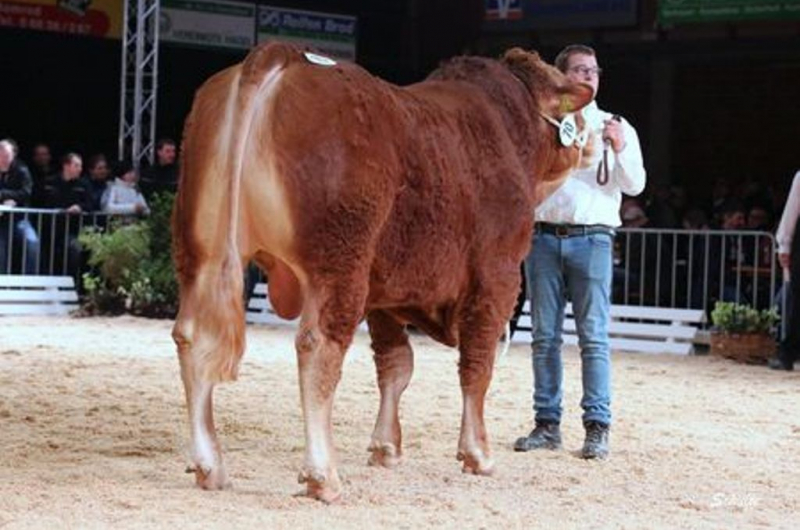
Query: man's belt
{"type": "Point", "coordinates": [563, 230]}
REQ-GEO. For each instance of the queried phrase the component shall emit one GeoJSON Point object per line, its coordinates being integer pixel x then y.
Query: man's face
{"type": "Point", "coordinates": [166, 155]}
{"type": "Point", "coordinates": [100, 171]}
{"type": "Point", "coordinates": [72, 169]}
{"type": "Point", "coordinates": [41, 156]}
{"type": "Point", "coordinates": [6, 157]}
{"type": "Point", "coordinates": [733, 221]}
{"type": "Point", "coordinates": [582, 68]}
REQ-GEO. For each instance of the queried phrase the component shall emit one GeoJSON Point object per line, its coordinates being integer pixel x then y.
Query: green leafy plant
{"type": "Point", "coordinates": [729, 317]}
{"type": "Point", "coordinates": [131, 264]}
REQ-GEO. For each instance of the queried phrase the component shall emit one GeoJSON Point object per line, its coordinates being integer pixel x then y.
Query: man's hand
{"type": "Point", "coordinates": [139, 208]}
{"type": "Point", "coordinates": [9, 202]}
{"type": "Point", "coordinates": [74, 209]}
{"type": "Point", "coordinates": [612, 132]}
{"type": "Point", "coordinates": [783, 259]}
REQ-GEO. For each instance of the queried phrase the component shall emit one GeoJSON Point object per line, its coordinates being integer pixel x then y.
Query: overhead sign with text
{"type": "Point", "coordinates": [208, 23]}
{"type": "Point", "coordinates": [88, 18]}
{"type": "Point", "coordinates": [679, 11]}
{"type": "Point", "coordinates": [559, 14]}
{"type": "Point", "coordinates": [330, 34]}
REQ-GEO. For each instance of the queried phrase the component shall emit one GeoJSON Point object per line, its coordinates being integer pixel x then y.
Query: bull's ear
{"type": "Point", "coordinates": [572, 97]}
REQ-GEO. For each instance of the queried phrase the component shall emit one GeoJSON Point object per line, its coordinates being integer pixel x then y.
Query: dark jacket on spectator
{"type": "Point", "coordinates": [158, 179]}
{"type": "Point", "coordinates": [16, 184]}
{"type": "Point", "coordinates": [96, 189]}
{"type": "Point", "coordinates": [60, 193]}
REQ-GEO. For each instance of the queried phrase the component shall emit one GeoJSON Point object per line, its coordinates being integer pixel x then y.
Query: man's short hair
{"type": "Point", "coordinates": [165, 141]}
{"type": "Point", "coordinates": [6, 144]}
{"type": "Point", "coordinates": [562, 59]}
{"type": "Point", "coordinates": [10, 144]}
{"type": "Point", "coordinates": [732, 206]}
{"type": "Point", "coordinates": [69, 157]}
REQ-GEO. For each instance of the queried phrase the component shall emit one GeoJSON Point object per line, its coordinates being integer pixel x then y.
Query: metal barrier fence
{"type": "Point", "coordinates": [689, 269]}
{"type": "Point", "coordinates": [37, 241]}
{"type": "Point", "coordinates": [693, 269]}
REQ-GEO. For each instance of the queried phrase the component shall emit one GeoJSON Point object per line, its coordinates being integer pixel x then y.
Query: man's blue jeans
{"type": "Point", "coordinates": [580, 266]}
{"type": "Point", "coordinates": [26, 243]}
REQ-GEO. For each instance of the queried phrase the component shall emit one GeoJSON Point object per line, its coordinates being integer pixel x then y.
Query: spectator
{"type": "Point", "coordinates": [69, 191]}
{"type": "Point", "coordinates": [788, 237]}
{"type": "Point", "coordinates": [41, 170]}
{"type": "Point", "coordinates": [163, 175]}
{"type": "Point", "coordinates": [98, 179]}
{"type": "Point", "coordinates": [122, 196]}
{"type": "Point", "coordinates": [16, 187]}
{"type": "Point", "coordinates": [695, 219]}
{"type": "Point", "coordinates": [660, 210]}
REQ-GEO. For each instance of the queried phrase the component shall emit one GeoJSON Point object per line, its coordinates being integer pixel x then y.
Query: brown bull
{"type": "Point", "coordinates": [361, 199]}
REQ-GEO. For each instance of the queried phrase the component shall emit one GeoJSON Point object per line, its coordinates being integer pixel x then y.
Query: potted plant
{"type": "Point", "coordinates": [742, 333]}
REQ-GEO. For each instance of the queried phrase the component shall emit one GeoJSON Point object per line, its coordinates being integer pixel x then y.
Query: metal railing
{"type": "Point", "coordinates": [694, 269]}
{"type": "Point", "coordinates": [39, 241]}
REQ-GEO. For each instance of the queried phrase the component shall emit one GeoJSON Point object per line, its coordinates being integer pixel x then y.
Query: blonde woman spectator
{"type": "Point", "coordinates": [122, 196]}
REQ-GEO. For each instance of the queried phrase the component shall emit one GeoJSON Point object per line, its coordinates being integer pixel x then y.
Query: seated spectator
{"type": "Point", "coordinates": [69, 191]}
{"type": "Point", "coordinates": [98, 179]}
{"type": "Point", "coordinates": [41, 170]}
{"type": "Point", "coordinates": [16, 187]}
{"type": "Point", "coordinates": [695, 219]}
{"type": "Point", "coordinates": [163, 175]}
{"type": "Point", "coordinates": [759, 218]}
{"type": "Point", "coordinates": [122, 196]}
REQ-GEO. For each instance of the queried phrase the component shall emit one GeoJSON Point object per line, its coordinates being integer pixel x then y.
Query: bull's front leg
{"type": "Point", "coordinates": [394, 362]}
{"type": "Point", "coordinates": [475, 372]}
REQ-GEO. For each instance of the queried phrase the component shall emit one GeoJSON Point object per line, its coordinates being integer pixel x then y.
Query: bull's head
{"type": "Point", "coordinates": [557, 101]}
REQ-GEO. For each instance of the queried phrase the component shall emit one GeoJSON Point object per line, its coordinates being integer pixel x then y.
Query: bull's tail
{"type": "Point", "coordinates": [210, 268]}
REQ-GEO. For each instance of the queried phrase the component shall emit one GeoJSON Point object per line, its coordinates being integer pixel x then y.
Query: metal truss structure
{"type": "Point", "coordinates": [139, 84]}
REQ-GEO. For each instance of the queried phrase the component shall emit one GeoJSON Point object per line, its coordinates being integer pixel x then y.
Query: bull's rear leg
{"type": "Point", "coordinates": [477, 350]}
{"type": "Point", "coordinates": [394, 362]}
{"type": "Point", "coordinates": [322, 341]}
{"type": "Point", "coordinates": [206, 455]}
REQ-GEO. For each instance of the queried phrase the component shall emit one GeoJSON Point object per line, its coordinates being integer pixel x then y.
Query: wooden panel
{"type": "Point", "coordinates": [17, 280]}
{"type": "Point", "coordinates": [35, 309]}
{"type": "Point", "coordinates": [37, 295]}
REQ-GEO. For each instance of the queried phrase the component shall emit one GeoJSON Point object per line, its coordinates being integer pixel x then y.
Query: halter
{"type": "Point", "coordinates": [567, 130]}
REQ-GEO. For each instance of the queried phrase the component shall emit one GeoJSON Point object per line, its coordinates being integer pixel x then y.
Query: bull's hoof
{"type": "Point", "coordinates": [476, 464]}
{"type": "Point", "coordinates": [210, 478]}
{"type": "Point", "coordinates": [384, 454]}
{"type": "Point", "coordinates": [318, 486]}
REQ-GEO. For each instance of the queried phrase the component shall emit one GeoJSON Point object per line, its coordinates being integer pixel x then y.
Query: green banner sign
{"type": "Point", "coordinates": [678, 11]}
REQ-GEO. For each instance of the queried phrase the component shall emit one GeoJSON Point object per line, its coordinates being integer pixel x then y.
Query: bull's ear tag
{"type": "Point", "coordinates": [568, 130]}
{"type": "Point", "coordinates": [321, 60]}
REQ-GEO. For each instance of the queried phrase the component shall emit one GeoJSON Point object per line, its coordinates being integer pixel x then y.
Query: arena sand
{"type": "Point", "coordinates": [93, 435]}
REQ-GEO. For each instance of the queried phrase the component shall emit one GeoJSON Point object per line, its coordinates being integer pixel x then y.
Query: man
{"type": "Point", "coordinates": [163, 176]}
{"type": "Point", "coordinates": [69, 191]}
{"type": "Point", "coordinates": [16, 186]}
{"type": "Point", "coordinates": [572, 255]}
{"type": "Point", "coordinates": [788, 238]}
{"type": "Point", "coordinates": [99, 172]}
{"type": "Point", "coordinates": [41, 170]}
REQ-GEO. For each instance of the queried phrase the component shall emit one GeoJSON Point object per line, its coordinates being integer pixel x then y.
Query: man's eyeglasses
{"type": "Point", "coordinates": [585, 70]}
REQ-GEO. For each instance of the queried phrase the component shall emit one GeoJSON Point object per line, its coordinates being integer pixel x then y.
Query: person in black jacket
{"type": "Point", "coordinates": [69, 192]}
{"type": "Point", "coordinates": [163, 175]}
{"type": "Point", "coordinates": [16, 186]}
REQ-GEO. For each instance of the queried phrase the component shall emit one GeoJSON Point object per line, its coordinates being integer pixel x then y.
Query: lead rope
{"type": "Point", "coordinates": [602, 168]}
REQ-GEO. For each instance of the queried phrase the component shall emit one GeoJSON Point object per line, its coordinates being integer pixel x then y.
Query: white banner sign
{"type": "Point", "coordinates": [329, 34]}
{"type": "Point", "coordinates": [215, 23]}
